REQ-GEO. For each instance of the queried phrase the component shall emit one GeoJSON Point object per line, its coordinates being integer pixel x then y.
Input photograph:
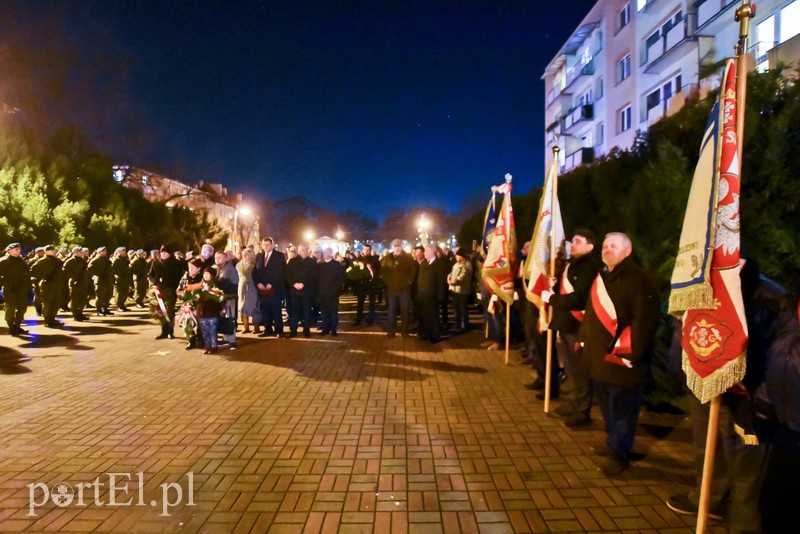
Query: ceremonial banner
{"type": "Point", "coordinates": [706, 288]}
{"type": "Point", "coordinates": [548, 225]}
{"type": "Point", "coordinates": [498, 269]}
{"type": "Point", "coordinates": [489, 224]}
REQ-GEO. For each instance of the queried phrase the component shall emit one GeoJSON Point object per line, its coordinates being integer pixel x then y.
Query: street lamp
{"type": "Point", "coordinates": [424, 224]}
{"type": "Point", "coordinates": [245, 212]}
{"type": "Point", "coordinates": [339, 237]}
{"type": "Point", "coordinates": [309, 235]}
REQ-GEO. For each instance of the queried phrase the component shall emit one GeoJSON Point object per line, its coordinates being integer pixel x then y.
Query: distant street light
{"type": "Point", "coordinates": [424, 224]}
{"type": "Point", "coordinates": [309, 235]}
{"type": "Point", "coordinates": [245, 211]}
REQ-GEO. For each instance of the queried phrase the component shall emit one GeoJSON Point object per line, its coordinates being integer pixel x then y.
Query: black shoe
{"type": "Point", "coordinates": [54, 324]}
{"type": "Point", "coordinates": [81, 318]}
{"type": "Point", "coordinates": [163, 336]}
{"type": "Point", "coordinates": [307, 334]}
{"type": "Point", "coordinates": [334, 334]}
{"type": "Point", "coordinates": [21, 331]}
{"type": "Point", "coordinates": [536, 385]}
{"type": "Point", "coordinates": [324, 333]}
{"type": "Point", "coordinates": [232, 346]}
{"type": "Point", "coordinates": [578, 421]}
{"type": "Point", "coordinates": [680, 504]}
{"type": "Point", "coordinates": [614, 465]}
{"type": "Point", "coordinates": [565, 411]}
{"type": "Point", "coordinates": [123, 309]}
{"type": "Point", "coordinates": [553, 395]}
{"type": "Point", "coordinates": [265, 334]}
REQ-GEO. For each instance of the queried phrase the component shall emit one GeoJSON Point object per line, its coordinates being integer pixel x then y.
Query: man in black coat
{"type": "Point", "coordinates": [431, 289]}
{"type": "Point", "coordinates": [77, 274]}
{"type": "Point", "coordinates": [398, 272]}
{"type": "Point", "coordinates": [166, 274]}
{"type": "Point", "coordinates": [301, 277]}
{"type": "Point", "coordinates": [330, 277]}
{"type": "Point", "coordinates": [50, 278]}
{"type": "Point", "coordinates": [270, 279]}
{"type": "Point", "coordinates": [623, 290]}
{"type": "Point", "coordinates": [369, 288]}
{"type": "Point", "coordinates": [568, 305]}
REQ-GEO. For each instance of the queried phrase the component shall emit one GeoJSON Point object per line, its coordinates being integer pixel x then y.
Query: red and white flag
{"type": "Point", "coordinates": [498, 269]}
{"type": "Point", "coordinates": [706, 288]}
{"type": "Point", "coordinates": [548, 227]}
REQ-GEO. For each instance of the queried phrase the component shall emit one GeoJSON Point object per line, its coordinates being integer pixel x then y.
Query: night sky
{"type": "Point", "coordinates": [366, 105]}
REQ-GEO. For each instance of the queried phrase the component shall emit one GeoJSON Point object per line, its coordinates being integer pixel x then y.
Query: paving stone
{"type": "Point", "coordinates": [358, 433]}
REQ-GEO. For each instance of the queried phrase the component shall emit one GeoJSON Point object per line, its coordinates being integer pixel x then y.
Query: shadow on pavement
{"type": "Point", "coordinates": [11, 362]}
{"type": "Point", "coordinates": [326, 363]}
{"type": "Point", "coordinates": [39, 341]}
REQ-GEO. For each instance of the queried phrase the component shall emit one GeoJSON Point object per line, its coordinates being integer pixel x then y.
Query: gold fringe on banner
{"type": "Point", "coordinates": [717, 382]}
{"type": "Point", "coordinates": [699, 296]}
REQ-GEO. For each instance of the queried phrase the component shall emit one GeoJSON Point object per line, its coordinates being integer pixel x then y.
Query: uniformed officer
{"type": "Point", "coordinates": [121, 267]}
{"type": "Point", "coordinates": [15, 279]}
{"type": "Point", "coordinates": [100, 267]}
{"type": "Point", "coordinates": [76, 270]}
{"type": "Point", "coordinates": [139, 270]}
{"type": "Point", "coordinates": [49, 276]}
{"type": "Point", "coordinates": [37, 299]}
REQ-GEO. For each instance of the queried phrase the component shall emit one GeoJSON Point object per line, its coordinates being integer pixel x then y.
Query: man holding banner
{"type": "Point", "coordinates": [568, 306]}
{"type": "Point", "coordinates": [615, 336]}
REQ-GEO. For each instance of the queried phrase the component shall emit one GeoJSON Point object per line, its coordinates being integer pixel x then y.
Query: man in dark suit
{"type": "Point", "coordinates": [301, 277]}
{"type": "Point", "coordinates": [369, 288]}
{"type": "Point", "coordinates": [330, 277]}
{"type": "Point", "coordinates": [431, 289]}
{"type": "Point", "coordinates": [270, 279]}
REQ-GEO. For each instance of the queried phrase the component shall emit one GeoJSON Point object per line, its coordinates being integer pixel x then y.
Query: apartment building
{"type": "Point", "coordinates": [631, 62]}
{"type": "Point", "coordinates": [210, 198]}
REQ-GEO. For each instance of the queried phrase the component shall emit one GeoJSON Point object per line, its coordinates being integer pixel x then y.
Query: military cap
{"type": "Point", "coordinates": [76, 249]}
{"type": "Point", "coordinates": [139, 251]}
{"type": "Point", "coordinates": [100, 249]}
{"type": "Point", "coordinates": [39, 249]}
{"type": "Point", "coordinates": [62, 250]}
{"type": "Point", "coordinates": [85, 249]}
{"type": "Point", "coordinates": [49, 247]}
{"type": "Point", "coordinates": [119, 249]}
{"type": "Point", "coordinates": [13, 245]}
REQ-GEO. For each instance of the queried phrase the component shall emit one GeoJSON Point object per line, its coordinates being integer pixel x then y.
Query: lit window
{"type": "Point", "coordinates": [640, 4]}
{"type": "Point", "coordinates": [600, 133]}
{"type": "Point", "coordinates": [625, 119]}
{"type": "Point", "coordinates": [790, 21]}
{"type": "Point", "coordinates": [624, 16]}
{"type": "Point", "coordinates": [625, 67]}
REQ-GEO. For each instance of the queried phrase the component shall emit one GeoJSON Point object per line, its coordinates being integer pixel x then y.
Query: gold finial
{"type": "Point", "coordinates": [556, 150]}
{"type": "Point", "coordinates": [743, 15]}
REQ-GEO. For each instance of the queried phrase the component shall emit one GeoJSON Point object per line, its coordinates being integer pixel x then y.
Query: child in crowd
{"type": "Point", "coordinates": [209, 306]}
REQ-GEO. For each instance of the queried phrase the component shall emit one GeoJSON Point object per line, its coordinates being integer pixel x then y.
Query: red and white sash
{"type": "Point", "coordinates": [565, 288]}
{"type": "Point", "coordinates": [607, 314]}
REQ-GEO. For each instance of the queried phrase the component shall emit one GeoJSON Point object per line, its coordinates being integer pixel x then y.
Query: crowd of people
{"type": "Point", "coordinates": [605, 311]}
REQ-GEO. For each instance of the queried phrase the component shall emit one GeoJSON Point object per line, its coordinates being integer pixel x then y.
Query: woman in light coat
{"type": "Point", "coordinates": [248, 294]}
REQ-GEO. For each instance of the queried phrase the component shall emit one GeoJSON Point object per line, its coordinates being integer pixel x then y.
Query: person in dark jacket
{"type": "Point", "coordinates": [139, 270]}
{"type": "Point", "coordinates": [398, 271]}
{"type": "Point", "coordinates": [15, 279]}
{"type": "Point", "coordinates": [270, 279]}
{"type": "Point", "coordinates": [49, 276]}
{"type": "Point", "coordinates": [100, 268]}
{"type": "Point", "coordinates": [330, 278]}
{"type": "Point", "coordinates": [618, 373]}
{"type": "Point", "coordinates": [121, 266]}
{"type": "Point", "coordinates": [165, 274]}
{"type": "Point", "coordinates": [76, 270]}
{"type": "Point", "coordinates": [568, 306]}
{"type": "Point", "coordinates": [431, 289]}
{"type": "Point", "coordinates": [369, 288]}
{"type": "Point", "coordinates": [301, 278]}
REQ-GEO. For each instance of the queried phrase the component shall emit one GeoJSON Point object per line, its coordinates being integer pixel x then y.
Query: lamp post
{"type": "Point", "coordinates": [245, 212]}
{"type": "Point", "coordinates": [424, 224]}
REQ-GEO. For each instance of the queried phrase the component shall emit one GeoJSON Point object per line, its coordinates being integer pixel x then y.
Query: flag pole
{"type": "Point", "coordinates": [743, 15]}
{"type": "Point", "coordinates": [508, 329]}
{"type": "Point", "coordinates": [548, 374]}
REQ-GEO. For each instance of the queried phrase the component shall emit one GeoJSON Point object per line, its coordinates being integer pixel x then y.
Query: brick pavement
{"type": "Point", "coordinates": [358, 433]}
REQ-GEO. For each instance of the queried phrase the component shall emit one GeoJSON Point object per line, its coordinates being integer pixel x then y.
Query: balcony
{"type": "Point", "coordinates": [710, 9]}
{"type": "Point", "coordinates": [578, 70]}
{"type": "Point", "coordinates": [578, 114]}
{"type": "Point", "coordinates": [580, 157]}
{"type": "Point", "coordinates": [674, 43]}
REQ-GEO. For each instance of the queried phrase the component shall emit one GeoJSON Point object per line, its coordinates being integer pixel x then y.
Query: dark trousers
{"type": "Point", "coordinates": [15, 306]}
{"type": "Point", "coordinates": [462, 314]}
{"type": "Point", "coordinates": [271, 314]}
{"type": "Point", "coordinates": [398, 302]}
{"type": "Point", "coordinates": [428, 319]}
{"type": "Point", "coordinates": [77, 300]}
{"type": "Point", "coordinates": [300, 310]}
{"type": "Point", "coordinates": [539, 352]}
{"type": "Point", "coordinates": [444, 305]}
{"type": "Point", "coordinates": [141, 290]}
{"type": "Point", "coordinates": [620, 407]}
{"type": "Point", "coordinates": [329, 313]}
{"type": "Point", "coordinates": [363, 292]}
{"type": "Point", "coordinates": [739, 469]}
{"type": "Point", "coordinates": [170, 299]}
{"type": "Point", "coordinates": [122, 290]}
{"type": "Point", "coordinates": [579, 377]}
